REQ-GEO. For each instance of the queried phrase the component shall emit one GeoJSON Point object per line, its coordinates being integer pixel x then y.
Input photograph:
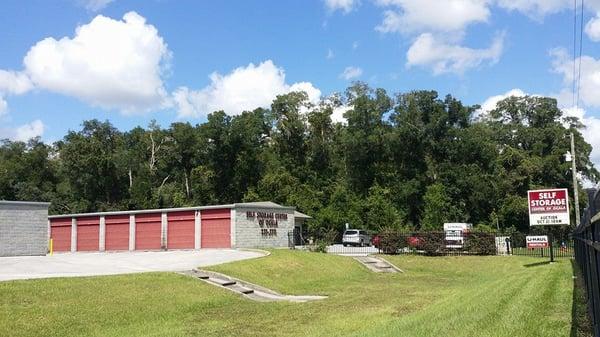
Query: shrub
{"type": "Point", "coordinates": [391, 241]}
{"type": "Point", "coordinates": [320, 247]}
{"type": "Point", "coordinates": [324, 238]}
{"type": "Point", "coordinates": [433, 243]}
{"type": "Point", "coordinates": [480, 243]}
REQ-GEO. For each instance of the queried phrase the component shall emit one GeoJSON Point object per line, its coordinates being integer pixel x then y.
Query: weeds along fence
{"type": "Point", "coordinates": [587, 256]}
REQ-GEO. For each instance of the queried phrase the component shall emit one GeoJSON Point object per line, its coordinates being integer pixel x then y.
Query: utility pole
{"type": "Point", "coordinates": [574, 172]}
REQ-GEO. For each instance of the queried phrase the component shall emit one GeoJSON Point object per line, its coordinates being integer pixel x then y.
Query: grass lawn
{"type": "Point", "coordinates": [448, 296]}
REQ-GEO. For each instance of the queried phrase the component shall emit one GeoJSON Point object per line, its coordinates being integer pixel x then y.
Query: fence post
{"type": "Point", "coordinates": [551, 247]}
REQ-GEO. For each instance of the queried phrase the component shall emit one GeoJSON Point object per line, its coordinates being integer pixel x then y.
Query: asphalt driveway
{"type": "Point", "coordinates": [92, 264]}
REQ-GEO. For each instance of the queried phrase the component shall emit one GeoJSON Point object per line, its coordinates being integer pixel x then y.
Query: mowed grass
{"type": "Point", "coordinates": [448, 296]}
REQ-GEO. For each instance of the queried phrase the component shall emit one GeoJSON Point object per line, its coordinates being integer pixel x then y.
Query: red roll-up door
{"type": "Point", "coordinates": [117, 232]}
{"type": "Point", "coordinates": [60, 232]}
{"type": "Point", "coordinates": [180, 230]}
{"type": "Point", "coordinates": [88, 233]}
{"type": "Point", "coordinates": [216, 228]}
{"type": "Point", "coordinates": [147, 231]}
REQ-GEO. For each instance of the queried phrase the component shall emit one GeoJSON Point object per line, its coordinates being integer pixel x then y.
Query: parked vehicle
{"type": "Point", "coordinates": [355, 237]}
{"type": "Point", "coordinates": [455, 234]}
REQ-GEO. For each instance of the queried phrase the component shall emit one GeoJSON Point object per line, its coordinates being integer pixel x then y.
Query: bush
{"type": "Point", "coordinates": [480, 243]}
{"type": "Point", "coordinates": [324, 238]}
{"type": "Point", "coordinates": [391, 241]}
{"type": "Point", "coordinates": [433, 243]}
{"type": "Point", "coordinates": [319, 247]}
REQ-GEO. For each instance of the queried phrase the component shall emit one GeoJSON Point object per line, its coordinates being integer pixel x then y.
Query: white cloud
{"type": "Point", "coordinates": [429, 51]}
{"type": "Point", "coordinates": [24, 132]}
{"type": "Point", "coordinates": [3, 106]}
{"type": "Point", "coordinates": [96, 5]}
{"type": "Point", "coordinates": [590, 77]}
{"type": "Point", "coordinates": [589, 88]}
{"type": "Point", "coordinates": [351, 73]}
{"type": "Point", "coordinates": [314, 94]}
{"type": "Point", "coordinates": [355, 45]}
{"type": "Point", "coordinates": [330, 54]}
{"type": "Point", "coordinates": [15, 83]}
{"type": "Point", "coordinates": [591, 133]}
{"type": "Point", "coordinates": [414, 16]}
{"type": "Point", "coordinates": [391, 23]}
{"type": "Point", "coordinates": [114, 64]}
{"type": "Point", "coordinates": [337, 116]}
{"type": "Point", "coordinates": [592, 28]}
{"type": "Point", "coordinates": [245, 88]}
{"type": "Point", "coordinates": [345, 6]}
{"type": "Point", "coordinates": [12, 83]}
{"type": "Point", "coordinates": [490, 103]}
{"type": "Point", "coordinates": [536, 9]}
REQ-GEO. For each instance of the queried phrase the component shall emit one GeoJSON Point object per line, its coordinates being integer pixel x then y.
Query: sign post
{"type": "Point", "coordinates": [548, 208]}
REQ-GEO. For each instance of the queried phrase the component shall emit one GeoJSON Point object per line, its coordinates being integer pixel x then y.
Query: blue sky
{"type": "Point", "coordinates": [65, 61]}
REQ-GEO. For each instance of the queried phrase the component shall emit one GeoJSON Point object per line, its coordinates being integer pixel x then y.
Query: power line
{"type": "Point", "coordinates": [574, 48]}
{"type": "Point", "coordinates": [580, 54]}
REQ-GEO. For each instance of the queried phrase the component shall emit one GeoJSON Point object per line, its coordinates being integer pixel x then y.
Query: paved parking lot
{"type": "Point", "coordinates": [91, 264]}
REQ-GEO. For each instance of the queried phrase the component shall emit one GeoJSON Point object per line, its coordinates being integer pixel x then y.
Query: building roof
{"type": "Point", "coordinates": [24, 203]}
{"type": "Point", "coordinates": [258, 204]}
{"type": "Point", "coordinates": [301, 215]}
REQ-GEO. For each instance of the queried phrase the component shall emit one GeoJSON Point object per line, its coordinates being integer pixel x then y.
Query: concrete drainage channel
{"type": "Point", "coordinates": [246, 289]}
{"type": "Point", "coordinates": [378, 265]}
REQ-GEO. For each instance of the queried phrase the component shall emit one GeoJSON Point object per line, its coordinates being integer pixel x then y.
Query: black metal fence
{"type": "Point", "coordinates": [561, 247]}
{"type": "Point", "coordinates": [587, 256]}
{"type": "Point", "coordinates": [434, 243]}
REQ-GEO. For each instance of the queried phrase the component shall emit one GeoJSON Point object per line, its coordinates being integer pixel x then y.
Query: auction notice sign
{"type": "Point", "coordinates": [548, 207]}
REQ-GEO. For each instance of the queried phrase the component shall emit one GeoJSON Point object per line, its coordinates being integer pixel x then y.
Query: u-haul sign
{"type": "Point", "coordinates": [548, 207]}
{"type": "Point", "coordinates": [537, 241]}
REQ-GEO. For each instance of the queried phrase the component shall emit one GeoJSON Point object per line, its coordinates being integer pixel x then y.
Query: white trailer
{"type": "Point", "coordinates": [455, 234]}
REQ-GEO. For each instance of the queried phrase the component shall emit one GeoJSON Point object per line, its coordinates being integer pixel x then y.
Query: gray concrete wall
{"type": "Point", "coordinates": [23, 228]}
{"type": "Point", "coordinates": [249, 234]}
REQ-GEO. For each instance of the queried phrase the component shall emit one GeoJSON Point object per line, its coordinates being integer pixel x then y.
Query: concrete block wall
{"type": "Point", "coordinates": [248, 231]}
{"type": "Point", "coordinates": [23, 228]}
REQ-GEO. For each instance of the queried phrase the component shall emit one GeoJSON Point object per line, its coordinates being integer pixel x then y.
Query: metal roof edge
{"type": "Point", "coordinates": [157, 210]}
{"type": "Point", "coordinates": [31, 203]}
{"type": "Point", "coordinates": [250, 205]}
{"type": "Point", "coordinates": [141, 211]}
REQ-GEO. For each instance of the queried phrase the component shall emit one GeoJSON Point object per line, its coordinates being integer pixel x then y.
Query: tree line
{"type": "Point", "coordinates": [407, 160]}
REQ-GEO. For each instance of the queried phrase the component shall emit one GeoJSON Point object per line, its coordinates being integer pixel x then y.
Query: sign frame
{"type": "Point", "coordinates": [561, 218]}
{"type": "Point", "coordinates": [537, 241]}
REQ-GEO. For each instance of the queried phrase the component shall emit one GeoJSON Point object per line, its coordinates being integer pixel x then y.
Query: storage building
{"type": "Point", "coordinates": [23, 228]}
{"type": "Point", "coordinates": [240, 225]}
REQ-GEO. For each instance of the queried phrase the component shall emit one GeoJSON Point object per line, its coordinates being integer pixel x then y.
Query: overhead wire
{"type": "Point", "coordinates": [580, 54]}
{"type": "Point", "coordinates": [574, 49]}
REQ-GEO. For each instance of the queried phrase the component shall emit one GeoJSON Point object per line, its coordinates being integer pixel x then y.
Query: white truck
{"type": "Point", "coordinates": [455, 234]}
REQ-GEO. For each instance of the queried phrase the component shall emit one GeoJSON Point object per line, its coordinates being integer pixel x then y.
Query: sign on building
{"type": "Point", "coordinates": [548, 207]}
{"type": "Point", "coordinates": [537, 241]}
